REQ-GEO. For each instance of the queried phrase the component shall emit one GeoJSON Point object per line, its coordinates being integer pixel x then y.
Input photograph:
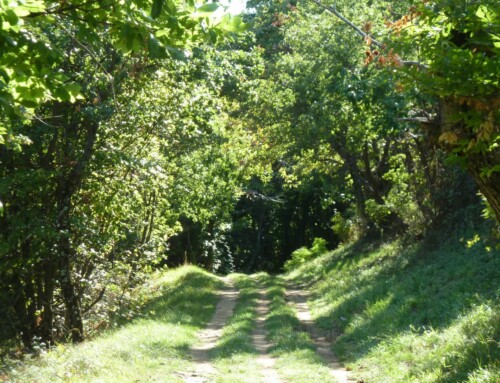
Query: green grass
{"type": "Point", "coordinates": [234, 356]}
{"type": "Point", "coordinates": [297, 361]}
{"type": "Point", "coordinates": [150, 349]}
{"type": "Point", "coordinates": [410, 314]}
{"type": "Point", "coordinates": [399, 314]}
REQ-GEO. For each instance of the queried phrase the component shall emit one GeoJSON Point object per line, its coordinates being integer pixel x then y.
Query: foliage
{"type": "Point", "coordinates": [32, 70]}
{"type": "Point", "coordinates": [343, 228]}
{"type": "Point", "coordinates": [304, 255]}
{"type": "Point", "coordinates": [110, 172]}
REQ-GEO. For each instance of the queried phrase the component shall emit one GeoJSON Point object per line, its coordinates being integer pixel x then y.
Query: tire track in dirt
{"type": "Point", "coordinates": [207, 338]}
{"type": "Point", "coordinates": [259, 334]}
{"type": "Point", "coordinates": [298, 298]}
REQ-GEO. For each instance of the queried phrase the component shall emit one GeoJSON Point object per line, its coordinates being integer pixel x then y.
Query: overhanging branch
{"type": "Point", "coordinates": [334, 11]}
{"type": "Point", "coordinates": [366, 36]}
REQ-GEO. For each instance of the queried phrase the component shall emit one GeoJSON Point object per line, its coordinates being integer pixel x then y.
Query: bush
{"type": "Point", "coordinates": [304, 254]}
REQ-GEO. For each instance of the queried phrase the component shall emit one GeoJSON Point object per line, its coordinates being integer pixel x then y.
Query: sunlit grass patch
{"type": "Point", "coordinates": [430, 355]}
{"type": "Point", "coordinates": [153, 348]}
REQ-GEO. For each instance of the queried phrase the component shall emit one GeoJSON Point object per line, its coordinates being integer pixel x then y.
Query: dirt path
{"type": "Point", "coordinates": [299, 300]}
{"type": "Point", "coordinates": [264, 360]}
{"type": "Point", "coordinates": [207, 338]}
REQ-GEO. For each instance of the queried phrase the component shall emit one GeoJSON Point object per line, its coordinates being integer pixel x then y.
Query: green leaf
{"type": "Point", "coordinates": [206, 10]}
{"type": "Point", "coordinates": [21, 11]}
{"type": "Point", "coordinates": [496, 169]}
{"type": "Point", "coordinates": [73, 89]}
{"type": "Point", "coordinates": [171, 7]}
{"type": "Point", "coordinates": [233, 24]}
{"type": "Point", "coordinates": [156, 8]}
{"type": "Point", "coordinates": [4, 75]}
{"type": "Point", "coordinates": [154, 48]}
{"type": "Point", "coordinates": [34, 6]}
{"type": "Point", "coordinates": [176, 53]}
{"type": "Point", "coordinates": [29, 103]}
{"type": "Point", "coordinates": [62, 94]}
{"type": "Point", "coordinates": [11, 17]}
{"type": "Point", "coordinates": [162, 32]}
{"type": "Point", "coordinates": [485, 14]}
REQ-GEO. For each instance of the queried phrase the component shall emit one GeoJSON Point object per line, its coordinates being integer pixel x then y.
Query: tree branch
{"type": "Point", "coordinates": [422, 120]}
{"type": "Point", "coordinates": [366, 36]}
{"type": "Point", "coordinates": [334, 11]}
{"type": "Point", "coordinates": [94, 302]}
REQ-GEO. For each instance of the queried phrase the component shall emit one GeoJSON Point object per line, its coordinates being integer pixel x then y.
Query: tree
{"type": "Point", "coordinates": [64, 84]}
{"type": "Point", "coordinates": [31, 58]}
{"type": "Point", "coordinates": [458, 52]}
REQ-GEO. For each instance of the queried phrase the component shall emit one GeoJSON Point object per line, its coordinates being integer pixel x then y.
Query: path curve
{"type": "Point", "coordinates": [207, 338]}
{"type": "Point", "coordinates": [259, 334]}
{"type": "Point", "coordinates": [298, 298]}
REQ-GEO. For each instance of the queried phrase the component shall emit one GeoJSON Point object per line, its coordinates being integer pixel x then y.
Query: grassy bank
{"type": "Point", "coordinates": [151, 349]}
{"type": "Point", "coordinates": [410, 313]}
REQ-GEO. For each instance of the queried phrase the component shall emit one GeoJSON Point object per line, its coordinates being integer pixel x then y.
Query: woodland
{"type": "Point", "coordinates": [142, 134]}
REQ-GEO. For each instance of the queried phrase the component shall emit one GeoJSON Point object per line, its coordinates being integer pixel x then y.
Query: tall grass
{"type": "Point", "coordinates": [410, 313]}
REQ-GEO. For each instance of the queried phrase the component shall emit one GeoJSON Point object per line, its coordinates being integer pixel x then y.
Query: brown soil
{"type": "Point", "coordinates": [264, 360]}
{"type": "Point", "coordinates": [207, 338]}
{"type": "Point", "coordinates": [298, 298]}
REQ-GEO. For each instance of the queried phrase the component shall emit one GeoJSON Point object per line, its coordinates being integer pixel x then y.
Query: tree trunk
{"type": "Point", "coordinates": [364, 190]}
{"type": "Point", "coordinates": [258, 241]}
{"type": "Point", "coordinates": [68, 185]}
{"type": "Point", "coordinates": [488, 185]}
{"type": "Point", "coordinates": [420, 195]}
{"type": "Point", "coordinates": [71, 299]}
{"type": "Point", "coordinates": [477, 163]}
{"type": "Point", "coordinates": [20, 305]}
{"type": "Point", "coordinates": [47, 320]}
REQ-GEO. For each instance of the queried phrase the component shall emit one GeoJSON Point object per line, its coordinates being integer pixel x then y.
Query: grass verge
{"type": "Point", "coordinates": [297, 361]}
{"type": "Point", "coordinates": [153, 348]}
{"type": "Point", "coordinates": [234, 356]}
{"type": "Point", "coordinates": [410, 314]}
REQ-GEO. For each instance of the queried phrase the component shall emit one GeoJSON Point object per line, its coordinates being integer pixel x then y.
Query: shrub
{"type": "Point", "coordinates": [304, 254]}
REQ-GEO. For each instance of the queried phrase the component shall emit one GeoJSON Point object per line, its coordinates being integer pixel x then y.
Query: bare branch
{"type": "Point", "coordinates": [423, 120]}
{"type": "Point", "coordinates": [99, 297]}
{"type": "Point", "coordinates": [93, 56]}
{"type": "Point", "coordinates": [366, 36]}
{"type": "Point", "coordinates": [334, 11]}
